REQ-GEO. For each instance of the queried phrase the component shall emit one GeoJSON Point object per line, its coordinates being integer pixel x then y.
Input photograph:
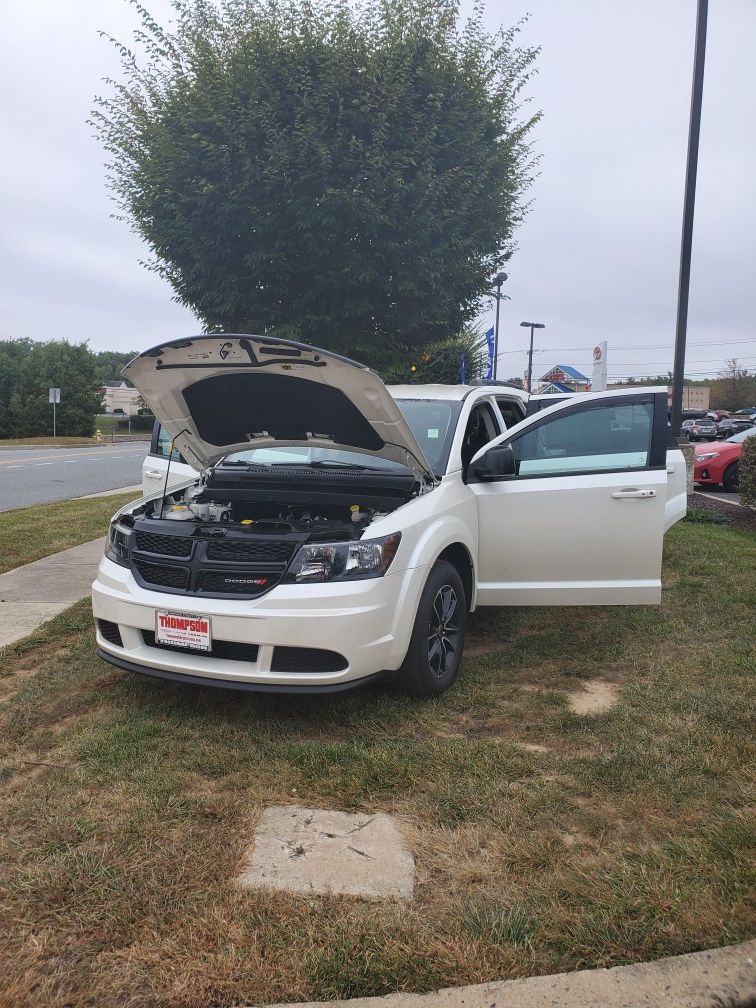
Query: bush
{"type": "Point", "coordinates": [140, 422]}
{"type": "Point", "coordinates": [748, 472]}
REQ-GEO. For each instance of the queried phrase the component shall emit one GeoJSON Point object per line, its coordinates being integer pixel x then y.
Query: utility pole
{"type": "Point", "coordinates": [499, 279]}
{"type": "Point", "coordinates": [533, 325]}
{"type": "Point", "coordinates": [691, 172]}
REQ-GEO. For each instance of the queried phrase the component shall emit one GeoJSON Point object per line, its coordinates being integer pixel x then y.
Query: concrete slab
{"type": "Point", "coordinates": [718, 978]}
{"type": "Point", "coordinates": [312, 851]}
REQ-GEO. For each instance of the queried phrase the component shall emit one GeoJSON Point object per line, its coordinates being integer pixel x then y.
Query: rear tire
{"type": "Point", "coordinates": [435, 651]}
{"type": "Point", "coordinates": [731, 478]}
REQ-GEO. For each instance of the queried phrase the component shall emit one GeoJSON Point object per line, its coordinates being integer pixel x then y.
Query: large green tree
{"type": "Point", "coordinates": [350, 174]}
{"type": "Point", "coordinates": [28, 370]}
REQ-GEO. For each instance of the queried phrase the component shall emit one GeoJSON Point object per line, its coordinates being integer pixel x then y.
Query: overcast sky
{"type": "Point", "coordinates": [598, 255]}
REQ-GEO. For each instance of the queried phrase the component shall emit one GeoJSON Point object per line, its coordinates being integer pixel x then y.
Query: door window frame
{"type": "Point", "coordinates": [657, 451]}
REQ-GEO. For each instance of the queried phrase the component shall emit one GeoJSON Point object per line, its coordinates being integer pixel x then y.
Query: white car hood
{"type": "Point", "coordinates": [220, 394]}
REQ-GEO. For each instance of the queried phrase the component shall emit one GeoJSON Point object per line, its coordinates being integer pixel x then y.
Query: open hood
{"type": "Point", "coordinates": [221, 394]}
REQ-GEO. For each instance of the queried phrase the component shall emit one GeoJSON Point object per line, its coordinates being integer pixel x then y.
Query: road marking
{"type": "Point", "coordinates": [43, 463]}
{"type": "Point", "coordinates": [83, 456]}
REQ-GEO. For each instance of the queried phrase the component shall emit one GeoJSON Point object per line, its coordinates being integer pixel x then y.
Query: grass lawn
{"type": "Point", "coordinates": [544, 840]}
{"type": "Point", "coordinates": [30, 533]}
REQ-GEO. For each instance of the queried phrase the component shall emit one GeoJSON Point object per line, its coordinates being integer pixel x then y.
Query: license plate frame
{"type": "Point", "coordinates": [199, 639]}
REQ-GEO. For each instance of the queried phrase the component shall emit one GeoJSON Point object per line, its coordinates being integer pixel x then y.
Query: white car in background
{"type": "Point", "coordinates": [330, 530]}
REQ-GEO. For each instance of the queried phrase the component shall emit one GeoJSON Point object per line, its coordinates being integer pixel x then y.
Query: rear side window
{"type": "Point", "coordinates": [603, 438]}
{"type": "Point", "coordinates": [164, 447]}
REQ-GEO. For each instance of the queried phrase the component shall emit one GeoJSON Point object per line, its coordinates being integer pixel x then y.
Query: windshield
{"type": "Point", "coordinates": [431, 421]}
{"type": "Point", "coordinates": [740, 438]}
{"type": "Point", "coordinates": [298, 456]}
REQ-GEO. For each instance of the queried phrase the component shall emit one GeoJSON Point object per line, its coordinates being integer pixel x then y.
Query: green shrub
{"type": "Point", "coordinates": [748, 472]}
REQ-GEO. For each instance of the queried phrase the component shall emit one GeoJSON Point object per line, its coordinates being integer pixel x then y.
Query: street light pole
{"type": "Point", "coordinates": [498, 280]}
{"type": "Point", "coordinates": [533, 325]}
{"type": "Point", "coordinates": [691, 171]}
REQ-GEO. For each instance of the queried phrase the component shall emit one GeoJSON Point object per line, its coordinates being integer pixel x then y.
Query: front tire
{"type": "Point", "coordinates": [435, 651]}
{"type": "Point", "coordinates": [731, 478]}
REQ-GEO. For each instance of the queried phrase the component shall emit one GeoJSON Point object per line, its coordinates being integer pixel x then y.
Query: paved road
{"type": "Point", "coordinates": [717, 493]}
{"type": "Point", "coordinates": [39, 475]}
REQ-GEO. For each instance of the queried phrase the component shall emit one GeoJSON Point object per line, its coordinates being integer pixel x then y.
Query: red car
{"type": "Point", "coordinates": [718, 463]}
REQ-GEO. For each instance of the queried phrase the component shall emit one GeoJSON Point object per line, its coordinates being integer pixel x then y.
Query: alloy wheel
{"type": "Point", "coordinates": [443, 631]}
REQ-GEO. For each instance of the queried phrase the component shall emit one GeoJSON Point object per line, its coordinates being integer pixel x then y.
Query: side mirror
{"type": "Point", "coordinates": [496, 463]}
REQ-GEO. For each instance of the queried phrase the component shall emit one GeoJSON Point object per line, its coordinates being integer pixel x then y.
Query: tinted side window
{"type": "Point", "coordinates": [164, 447]}
{"type": "Point", "coordinates": [606, 437]}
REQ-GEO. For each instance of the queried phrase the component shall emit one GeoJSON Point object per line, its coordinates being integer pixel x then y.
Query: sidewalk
{"type": "Point", "coordinates": [717, 978]}
{"type": "Point", "coordinates": [33, 594]}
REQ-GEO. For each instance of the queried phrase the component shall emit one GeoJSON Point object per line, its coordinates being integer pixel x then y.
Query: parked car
{"type": "Point", "coordinates": [156, 468]}
{"type": "Point", "coordinates": [704, 429]}
{"type": "Point", "coordinates": [717, 414]}
{"type": "Point", "coordinates": [719, 465]}
{"type": "Point", "coordinates": [339, 530]}
{"type": "Point", "coordinates": [734, 425]}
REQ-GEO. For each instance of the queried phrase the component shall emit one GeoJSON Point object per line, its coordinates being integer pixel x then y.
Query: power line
{"type": "Point", "coordinates": [650, 346]}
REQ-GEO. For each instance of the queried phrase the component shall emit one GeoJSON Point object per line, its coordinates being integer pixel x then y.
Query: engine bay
{"type": "Point", "coordinates": [296, 501]}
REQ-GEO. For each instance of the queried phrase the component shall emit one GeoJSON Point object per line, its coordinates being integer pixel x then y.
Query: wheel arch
{"type": "Point", "coordinates": [458, 555]}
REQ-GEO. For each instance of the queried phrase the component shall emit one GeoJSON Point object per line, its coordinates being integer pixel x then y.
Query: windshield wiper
{"type": "Point", "coordinates": [327, 464]}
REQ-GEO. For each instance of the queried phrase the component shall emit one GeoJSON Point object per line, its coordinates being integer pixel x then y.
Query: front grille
{"type": "Point", "coordinates": [237, 582]}
{"type": "Point", "coordinates": [110, 631]}
{"type": "Point", "coordinates": [163, 575]}
{"type": "Point", "coordinates": [229, 650]}
{"type": "Point", "coordinates": [164, 545]}
{"type": "Point", "coordinates": [299, 659]}
{"type": "Point", "coordinates": [252, 551]}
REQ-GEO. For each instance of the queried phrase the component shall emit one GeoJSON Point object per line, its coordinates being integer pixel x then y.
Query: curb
{"type": "Point", "coordinates": [719, 500]}
{"type": "Point", "coordinates": [717, 978]}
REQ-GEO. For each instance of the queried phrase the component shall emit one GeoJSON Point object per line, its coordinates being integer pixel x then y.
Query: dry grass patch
{"type": "Point", "coordinates": [544, 840]}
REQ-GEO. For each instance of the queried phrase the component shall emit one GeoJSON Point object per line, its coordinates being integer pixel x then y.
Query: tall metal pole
{"type": "Point", "coordinates": [530, 360]}
{"type": "Point", "coordinates": [691, 172]}
{"type": "Point", "coordinates": [500, 278]}
{"type": "Point", "coordinates": [54, 407]}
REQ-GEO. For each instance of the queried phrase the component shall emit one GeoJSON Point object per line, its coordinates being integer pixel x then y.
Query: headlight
{"type": "Point", "coordinates": [365, 558]}
{"type": "Point", "coordinates": [117, 546]}
{"type": "Point", "coordinates": [707, 456]}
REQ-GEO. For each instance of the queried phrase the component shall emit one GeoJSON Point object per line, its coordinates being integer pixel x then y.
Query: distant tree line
{"type": "Point", "coordinates": [28, 370]}
{"type": "Point", "coordinates": [734, 388]}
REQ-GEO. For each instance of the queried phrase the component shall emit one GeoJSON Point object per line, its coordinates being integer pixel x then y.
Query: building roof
{"type": "Point", "coordinates": [555, 387]}
{"type": "Point", "coordinates": [567, 371]}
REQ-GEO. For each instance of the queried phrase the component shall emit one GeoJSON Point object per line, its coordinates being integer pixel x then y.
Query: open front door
{"type": "Point", "coordinates": [578, 518]}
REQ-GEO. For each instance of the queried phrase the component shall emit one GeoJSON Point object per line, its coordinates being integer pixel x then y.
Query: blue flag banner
{"type": "Point", "coordinates": [490, 345]}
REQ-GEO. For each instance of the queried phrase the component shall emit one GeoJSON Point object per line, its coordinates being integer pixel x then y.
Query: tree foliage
{"type": "Point", "coordinates": [440, 362]}
{"type": "Point", "coordinates": [347, 174]}
{"type": "Point", "coordinates": [108, 365]}
{"type": "Point", "coordinates": [734, 389]}
{"type": "Point", "coordinates": [28, 370]}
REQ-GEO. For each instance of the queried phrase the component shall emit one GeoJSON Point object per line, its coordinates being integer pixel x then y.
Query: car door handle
{"type": "Point", "coordinates": [156, 474]}
{"type": "Point", "coordinates": [633, 494]}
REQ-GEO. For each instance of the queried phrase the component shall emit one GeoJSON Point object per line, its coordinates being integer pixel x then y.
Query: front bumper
{"type": "Point", "coordinates": [368, 623]}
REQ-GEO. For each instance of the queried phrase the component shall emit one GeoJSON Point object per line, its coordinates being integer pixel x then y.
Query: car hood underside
{"type": "Point", "coordinates": [215, 395]}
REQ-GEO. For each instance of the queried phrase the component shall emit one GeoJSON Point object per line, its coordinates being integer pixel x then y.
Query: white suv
{"type": "Point", "coordinates": [336, 530]}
